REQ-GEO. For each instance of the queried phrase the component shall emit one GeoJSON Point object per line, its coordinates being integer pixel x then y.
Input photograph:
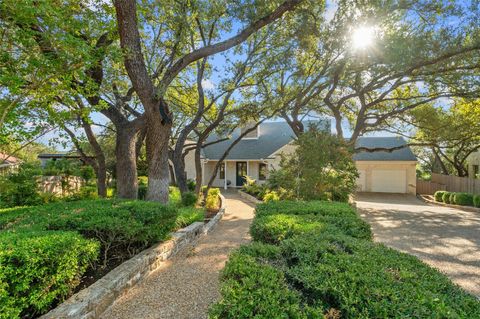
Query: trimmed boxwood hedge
{"type": "Point", "coordinates": [39, 268]}
{"type": "Point", "coordinates": [446, 197]}
{"type": "Point", "coordinates": [439, 196]}
{"type": "Point", "coordinates": [317, 270]}
{"type": "Point", "coordinates": [464, 199]}
{"type": "Point", "coordinates": [67, 237]}
{"type": "Point", "coordinates": [476, 200]}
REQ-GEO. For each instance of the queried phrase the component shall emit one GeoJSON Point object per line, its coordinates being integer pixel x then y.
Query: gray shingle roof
{"type": "Point", "coordinates": [404, 154]}
{"type": "Point", "coordinates": [272, 136]}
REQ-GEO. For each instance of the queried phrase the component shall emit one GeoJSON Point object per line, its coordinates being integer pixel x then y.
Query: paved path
{"type": "Point", "coordinates": [188, 283]}
{"type": "Point", "coordinates": [446, 238]}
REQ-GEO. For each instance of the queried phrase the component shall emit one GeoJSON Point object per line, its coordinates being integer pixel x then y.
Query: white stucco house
{"type": "Point", "coordinates": [260, 151]}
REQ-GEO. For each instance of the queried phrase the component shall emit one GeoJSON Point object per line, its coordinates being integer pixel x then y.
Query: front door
{"type": "Point", "coordinates": [241, 173]}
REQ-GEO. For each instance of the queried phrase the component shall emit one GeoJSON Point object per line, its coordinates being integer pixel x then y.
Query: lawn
{"type": "Point", "coordinates": [317, 260]}
{"type": "Point", "coordinates": [47, 251]}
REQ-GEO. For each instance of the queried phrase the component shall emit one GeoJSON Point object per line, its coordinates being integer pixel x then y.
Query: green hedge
{"type": "Point", "coordinates": [40, 268]}
{"type": "Point", "coordinates": [75, 232]}
{"type": "Point", "coordinates": [464, 199]}
{"type": "Point", "coordinates": [316, 270]}
{"type": "Point", "coordinates": [476, 200]}
{"type": "Point", "coordinates": [446, 197]}
{"type": "Point", "coordinates": [439, 196]}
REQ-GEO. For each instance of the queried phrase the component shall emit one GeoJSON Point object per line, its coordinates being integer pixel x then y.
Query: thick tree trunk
{"type": "Point", "coordinates": [158, 136]}
{"type": "Point", "coordinates": [102, 179]}
{"type": "Point", "coordinates": [127, 180]}
{"type": "Point", "coordinates": [180, 174]}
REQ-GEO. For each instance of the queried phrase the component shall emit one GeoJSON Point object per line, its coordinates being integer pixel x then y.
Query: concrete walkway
{"type": "Point", "coordinates": [188, 283]}
{"type": "Point", "coordinates": [443, 237]}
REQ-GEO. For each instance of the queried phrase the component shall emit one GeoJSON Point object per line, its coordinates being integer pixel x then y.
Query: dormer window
{"type": "Point", "coordinates": [252, 134]}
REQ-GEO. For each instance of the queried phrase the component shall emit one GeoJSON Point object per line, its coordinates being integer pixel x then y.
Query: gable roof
{"type": "Point", "coordinates": [403, 154]}
{"type": "Point", "coordinates": [271, 137]}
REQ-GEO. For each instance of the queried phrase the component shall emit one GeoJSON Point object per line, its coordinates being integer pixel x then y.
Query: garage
{"type": "Point", "coordinates": [385, 172]}
{"type": "Point", "coordinates": [389, 181]}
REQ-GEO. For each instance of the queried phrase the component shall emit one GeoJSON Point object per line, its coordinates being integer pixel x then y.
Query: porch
{"type": "Point", "coordinates": [232, 173]}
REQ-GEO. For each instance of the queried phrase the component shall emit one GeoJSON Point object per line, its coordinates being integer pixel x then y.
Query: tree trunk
{"type": "Point", "coordinates": [180, 174]}
{"type": "Point", "coordinates": [102, 179]}
{"type": "Point", "coordinates": [127, 180]}
{"type": "Point", "coordinates": [198, 169]}
{"type": "Point", "coordinates": [158, 136]}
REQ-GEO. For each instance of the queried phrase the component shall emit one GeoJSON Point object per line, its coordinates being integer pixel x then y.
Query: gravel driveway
{"type": "Point", "coordinates": [446, 238]}
{"type": "Point", "coordinates": [188, 284]}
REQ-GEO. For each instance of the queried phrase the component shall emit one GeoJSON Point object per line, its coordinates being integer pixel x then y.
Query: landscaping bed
{"type": "Point", "coordinates": [460, 199]}
{"type": "Point", "coordinates": [317, 260]}
{"type": "Point", "coordinates": [50, 251]}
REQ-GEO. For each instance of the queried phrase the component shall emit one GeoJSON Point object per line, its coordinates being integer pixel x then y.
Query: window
{"type": "Point", "coordinates": [222, 171]}
{"type": "Point", "coordinates": [476, 171]}
{"type": "Point", "coordinates": [262, 171]}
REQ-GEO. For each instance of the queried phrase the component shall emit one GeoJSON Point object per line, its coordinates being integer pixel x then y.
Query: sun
{"type": "Point", "coordinates": [363, 37]}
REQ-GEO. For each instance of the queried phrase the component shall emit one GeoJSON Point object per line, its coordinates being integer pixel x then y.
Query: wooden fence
{"type": "Point", "coordinates": [429, 188]}
{"type": "Point", "coordinates": [448, 183]}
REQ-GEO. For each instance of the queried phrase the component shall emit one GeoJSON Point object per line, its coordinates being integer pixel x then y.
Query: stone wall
{"type": "Point", "coordinates": [60, 185]}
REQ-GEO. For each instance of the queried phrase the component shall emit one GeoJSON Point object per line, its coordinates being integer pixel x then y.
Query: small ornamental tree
{"type": "Point", "coordinates": [321, 167]}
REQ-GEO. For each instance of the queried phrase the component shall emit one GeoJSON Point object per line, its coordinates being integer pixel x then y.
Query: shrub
{"type": "Point", "coordinates": [122, 227]}
{"type": "Point", "coordinates": [189, 199]}
{"type": "Point", "coordinates": [446, 197]}
{"type": "Point", "coordinates": [271, 196]}
{"type": "Point", "coordinates": [452, 198]}
{"type": "Point", "coordinates": [361, 279]}
{"type": "Point", "coordinates": [463, 199]}
{"type": "Point", "coordinates": [40, 269]}
{"type": "Point", "coordinates": [439, 196]}
{"type": "Point", "coordinates": [191, 184]}
{"type": "Point", "coordinates": [20, 188]}
{"type": "Point", "coordinates": [476, 200]}
{"type": "Point", "coordinates": [212, 202]}
{"type": "Point", "coordinates": [175, 197]}
{"type": "Point", "coordinates": [85, 192]}
{"type": "Point", "coordinates": [302, 207]}
{"type": "Point", "coordinates": [255, 290]}
{"type": "Point", "coordinates": [189, 215]}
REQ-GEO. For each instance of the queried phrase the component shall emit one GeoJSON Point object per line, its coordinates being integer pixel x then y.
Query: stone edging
{"type": "Point", "coordinates": [92, 301]}
{"type": "Point", "coordinates": [249, 197]}
{"type": "Point", "coordinates": [460, 207]}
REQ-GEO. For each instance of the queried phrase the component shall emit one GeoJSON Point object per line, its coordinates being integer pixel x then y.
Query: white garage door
{"type": "Point", "coordinates": [389, 181]}
{"type": "Point", "coordinates": [362, 180]}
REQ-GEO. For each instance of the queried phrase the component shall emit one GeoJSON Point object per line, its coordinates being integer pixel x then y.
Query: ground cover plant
{"type": "Point", "coordinates": [303, 263]}
{"type": "Point", "coordinates": [49, 250]}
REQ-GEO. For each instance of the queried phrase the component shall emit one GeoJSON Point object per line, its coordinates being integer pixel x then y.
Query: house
{"type": "Point", "coordinates": [8, 163]}
{"type": "Point", "coordinates": [260, 151]}
{"type": "Point", "coordinates": [45, 158]}
{"type": "Point", "coordinates": [473, 165]}
{"type": "Point", "coordinates": [386, 172]}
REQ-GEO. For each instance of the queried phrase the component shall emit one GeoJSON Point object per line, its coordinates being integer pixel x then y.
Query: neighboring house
{"type": "Point", "coordinates": [45, 158]}
{"type": "Point", "coordinates": [260, 152]}
{"type": "Point", "coordinates": [473, 163]}
{"type": "Point", "coordinates": [8, 163]}
{"type": "Point", "coordinates": [386, 172]}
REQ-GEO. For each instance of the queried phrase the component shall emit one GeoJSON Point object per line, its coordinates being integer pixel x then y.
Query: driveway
{"type": "Point", "coordinates": [446, 238]}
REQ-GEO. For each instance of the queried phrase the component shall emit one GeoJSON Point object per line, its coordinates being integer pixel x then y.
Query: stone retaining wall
{"type": "Point", "coordinates": [92, 301]}
{"type": "Point", "coordinates": [249, 197]}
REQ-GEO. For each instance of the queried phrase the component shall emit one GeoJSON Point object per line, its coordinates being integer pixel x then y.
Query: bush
{"type": "Point", "coordinates": [189, 199]}
{"type": "Point", "coordinates": [189, 215]}
{"type": "Point", "coordinates": [476, 200]}
{"type": "Point", "coordinates": [123, 228]}
{"type": "Point", "coordinates": [452, 198]}
{"type": "Point", "coordinates": [85, 192]}
{"type": "Point", "coordinates": [320, 266]}
{"type": "Point", "coordinates": [40, 269]}
{"type": "Point", "coordinates": [463, 199]}
{"type": "Point", "coordinates": [175, 197]}
{"type": "Point", "coordinates": [271, 196]}
{"type": "Point", "coordinates": [212, 202]}
{"type": "Point", "coordinates": [20, 188]}
{"type": "Point", "coordinates": [439, 196]}
{"type": "Point", "coordinates": [191, 184]}
{"type": "Point", "coordinates": [446, 197]}
{"type": "Point", "coordinates": [255, 290]}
